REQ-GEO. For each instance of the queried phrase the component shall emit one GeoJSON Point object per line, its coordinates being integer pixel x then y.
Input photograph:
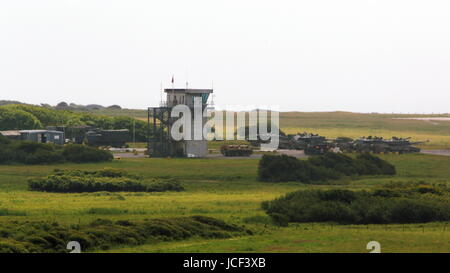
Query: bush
{"type": "Point", "coordinates": [370, 164]}
{"type": "Point", "coordinates": [287, 168]}
{"type": "Point", "coordinates": [348, 207]}
{"type": "Point", "coordinates": [103, 234]}
{"type": "Point", "coordinates": [28, 152]}
{"type": "Point", "coordinates": [4, 140]}
{"type": "Point", "coordinates": [278, 168]}
{"type": "Point", "coordinates": [81, 153]}
{"type": "Point", "coordinates": [330, 166]}
{"type": "Point", "coordinates": [110, 180]}
{"type": "Point", "coordinates": [17, 119]}
{"type": "Point", "coordinates": [7, 154]}
{"type": "Point", "coordinates": [160, 186]}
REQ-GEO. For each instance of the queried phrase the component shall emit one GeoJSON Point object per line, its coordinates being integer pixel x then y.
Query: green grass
{"type": "Point", "coordinates": [305, 238]}
{"type": "Point", "coordinates": [226, 189]}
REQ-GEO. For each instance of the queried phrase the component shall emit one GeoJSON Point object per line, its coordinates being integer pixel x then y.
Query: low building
{"type": "Point", "coordinates": [43, 136]}
{"type": "Point", "coordinates": [72, 134]}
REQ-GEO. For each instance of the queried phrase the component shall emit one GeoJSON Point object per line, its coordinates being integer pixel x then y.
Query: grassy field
{"type": "Point", "coordinates": [354, 125]}
{"type": "Point", "coordinates": [227, 189]}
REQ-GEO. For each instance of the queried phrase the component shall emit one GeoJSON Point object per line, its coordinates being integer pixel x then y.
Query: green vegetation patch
{"type": "Point", "coordinates": [82, 153]}
{"type": "Point", "coordinates": [27, 152]}
{"type": "Point", "coordinates": [38, 237]}
{"type": "Point", "coordinates": [108, 179]}
{"type": "Point", "coordinates": [394, 203]}
{"type": "Point", "coordinates": [316, 169]}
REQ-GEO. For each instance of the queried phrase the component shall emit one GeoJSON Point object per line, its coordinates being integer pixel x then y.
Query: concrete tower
{"type": "Point", "coordinates": [185, 96]}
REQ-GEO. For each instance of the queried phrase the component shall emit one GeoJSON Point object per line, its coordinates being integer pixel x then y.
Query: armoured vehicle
{"type": "Point", "coordinates": [403, 145]}
{"type": "Point", "coordinates": [378, 145]}
{"type": "Point", "coordinates": [113, 138]}
{"type": "Point", "coordinates": [312, 144]}
{"type": "Point", "coordinates": [236, 150]}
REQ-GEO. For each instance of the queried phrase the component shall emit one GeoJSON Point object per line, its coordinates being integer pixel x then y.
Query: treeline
{"type": "Point", "coordinates": [392, 204]}
{"type": "Point", "coordinates": [47, 153]}
{"type": "Point", "coordinates": [102, 234]}
{"type": "Point", "coordinates": [108, 179]}
{"type": "Point", "coordinates": [72, 106]}
{"type": "Point", "coordinates": [319, 169]}
{"type": "Point", "coordinates": [23, 117]}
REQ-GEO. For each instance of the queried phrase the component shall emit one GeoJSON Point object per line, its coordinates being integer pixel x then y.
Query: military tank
{"type": "Point", "coordinates": [403, 145]}
{"type": "Point", "coordinates": [313, 144]}
{"type": "Point", "coordinates": [236, 150]}
{"type": "Point", "coordinates": [374, 144]}
{"type": "Point", "coordinates": [113, 138]}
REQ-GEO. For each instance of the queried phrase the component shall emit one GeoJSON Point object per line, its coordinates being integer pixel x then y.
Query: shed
{"type": "Point", "coordinates": [43, 136]}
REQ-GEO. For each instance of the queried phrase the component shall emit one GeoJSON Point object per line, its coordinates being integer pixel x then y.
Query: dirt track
{"type": "Point", "coordinates": [295, 153]}
{"type": "Point", "coordinates": [437, 152]}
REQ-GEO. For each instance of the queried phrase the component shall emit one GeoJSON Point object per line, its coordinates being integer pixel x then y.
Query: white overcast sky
{"type": "Point", "coordinates": [321, 55]}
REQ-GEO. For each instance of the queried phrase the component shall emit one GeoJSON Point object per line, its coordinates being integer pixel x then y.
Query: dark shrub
{"type": "Point", "coordinates": [330, 166]}
{"type": "Point", "coordinates": [419, 211]}
{"type": "Point", "coordinates": [35, 153]}
{"type": "Point", "coordinates": [4, 140]}
{"type": "Point", "coordinates": [43, 157]}
{"type": "Point", "coordinates": [32, 147]}
{"type": "Point", "coordinates": [361, 207]}
{"type": "Point", "coordinates": [337, 162]}
{"type": "Point", "coordinates": [66, 184]}
{"type": "Point", "coordinates": [283, 168]}
{"type": "Point", "coordinates": [28, 152]}
{"type": "Point", "coordinates": [82, 153]}
{"type": "Point", "coordinates": [161, 186]}
{"type": "Point", "coordinates": [104, 234]}
{"type": "Point", "coordinates": [280, 219]}
{"type": "Point", "coordinates": [370, 164]}
{"type": "Point", "coordinates": [345, 196]}
{"type": "Point", "coordinates": [108, 179]}
{"type": "Point", "coordinates": [278, 168]}
{"type": "Point", "coordinates": [7, 154]}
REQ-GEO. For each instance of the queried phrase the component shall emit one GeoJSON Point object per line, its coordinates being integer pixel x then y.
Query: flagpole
{"type": "Point", "coordinates": [173, 88]}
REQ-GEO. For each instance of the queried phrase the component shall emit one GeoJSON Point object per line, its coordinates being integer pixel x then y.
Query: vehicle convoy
{"type": "Point", "coordinates": [378, 145]}
{"type": "Point", "coordinates": [236, 150]}
{"type": "Point", "coordinates": [312, 144]}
